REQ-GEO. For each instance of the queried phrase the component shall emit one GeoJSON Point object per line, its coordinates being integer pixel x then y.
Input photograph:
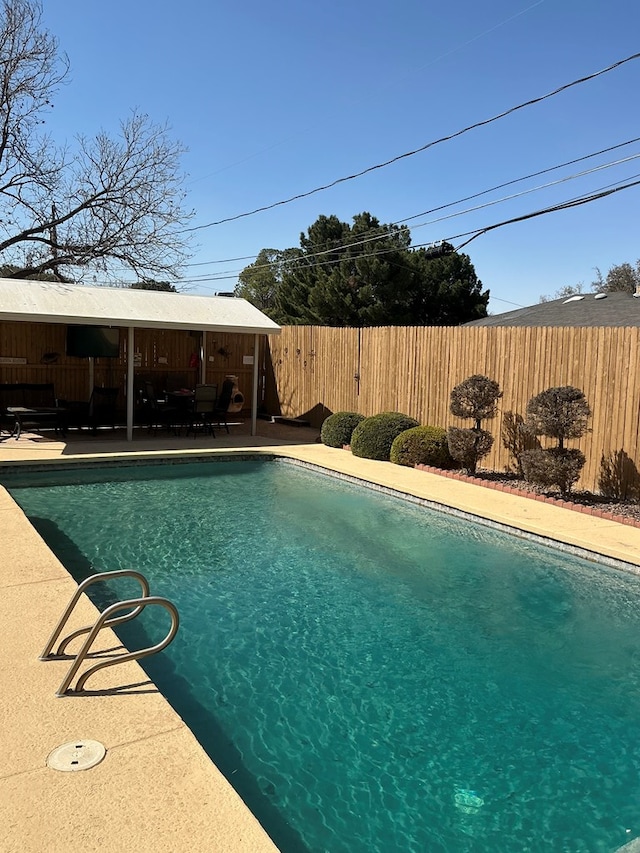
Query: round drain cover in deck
{"type": "Point", "coordinates": [77, 755]}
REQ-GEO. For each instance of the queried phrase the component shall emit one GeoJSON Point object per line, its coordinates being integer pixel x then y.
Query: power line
{"type": "Point", "coordinates": [460, 200]}
{"type": "Point", "coordinates": [386, 235]}
{"type": "Point", "coordinates": [519, 180]}
{"type": "Point", "coordinates": [390, 84]}
{"type": "Point", "coordinates": [554, 208]}
{"type": "Point", "coordinates": [382, 236]}
{"type": "Point", "coordinates": [399, 157]}
{"type": "Point", "coordinates": [527, 192]}
{"type": "Point", "coordinates": [478, 232]}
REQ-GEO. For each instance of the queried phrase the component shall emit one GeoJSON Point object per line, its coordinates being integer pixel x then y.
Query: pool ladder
{"type": "Point", "coordinates": [106, 619]}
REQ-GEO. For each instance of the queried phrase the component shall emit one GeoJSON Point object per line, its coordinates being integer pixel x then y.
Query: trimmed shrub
{"type": "Point", "coordinates": [468, 446]}
{"type": "Point", "coordinates": [373, 437]}
{"type": "Point", "coordinates": [557, 466]}
{"type": "Point", "coordinates": [336, 431]}
{"type": "Point", "coordinates": [559, 413]}
{"type": "Point", "coordinates": [476, 397]}
{"type": "Point", "coordinates": [422, 445]}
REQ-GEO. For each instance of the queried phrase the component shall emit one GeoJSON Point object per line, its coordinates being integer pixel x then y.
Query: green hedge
{"type": "Point", "coordinates": [373, 437]}
{"type": "Point", "coordinates": [422, 445]}
{"type": "Point", "coordinates": [337, 429]}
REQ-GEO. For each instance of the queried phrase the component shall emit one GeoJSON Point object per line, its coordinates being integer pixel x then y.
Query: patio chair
{"type": "Point", "coordinates": [103, 408]}
{"type": "Point", "coordinates": [158, 413]}
{"type": "Point", "coordinates": [203, 409]}
{"type": "Point", "coordinates": [223, 402]}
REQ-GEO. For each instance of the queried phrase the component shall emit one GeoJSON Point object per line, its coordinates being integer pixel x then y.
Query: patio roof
{"type": "Point", "coordinates": [47, 302]}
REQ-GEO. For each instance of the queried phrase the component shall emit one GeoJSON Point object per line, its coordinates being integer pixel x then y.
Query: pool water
{"type": "Point", "coordinates": [371, 675]}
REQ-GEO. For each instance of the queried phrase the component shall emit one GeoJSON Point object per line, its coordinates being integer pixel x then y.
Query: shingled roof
{"type": "Point", "coordinates": [585, 309]}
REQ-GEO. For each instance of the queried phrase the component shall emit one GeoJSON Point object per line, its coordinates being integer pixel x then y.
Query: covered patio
{"type": "Point", "coordinates": [206, 320]}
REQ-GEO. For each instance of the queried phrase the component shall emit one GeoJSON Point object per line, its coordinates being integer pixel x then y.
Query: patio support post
{"type": "Point", "coordinates": [203, 357]}
{"type": "Point", "coordinates": [254, 390]}
{"type": "Point", "coordinates": [130, 383]}
{"type": "Point", "coordinates": [91, 376]}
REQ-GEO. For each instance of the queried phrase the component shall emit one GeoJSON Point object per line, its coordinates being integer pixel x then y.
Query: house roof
{"type": "Point", "coordinates": [46, 302]}
{"type": "Point", "coordinates": [612, 309]}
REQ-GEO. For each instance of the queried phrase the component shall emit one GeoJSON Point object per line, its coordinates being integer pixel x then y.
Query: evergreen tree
{"type": "Point", "coordinates": [364, 274]}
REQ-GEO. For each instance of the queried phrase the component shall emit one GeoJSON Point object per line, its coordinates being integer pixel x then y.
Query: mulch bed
{"type": "Point", "coordinates": [589, 503]}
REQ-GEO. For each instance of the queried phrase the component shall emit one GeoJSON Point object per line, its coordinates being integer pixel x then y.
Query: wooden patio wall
{"type": "Point", "coordinates": [31, 342]}
{"type": "Point", "coordinates": [315, 371]}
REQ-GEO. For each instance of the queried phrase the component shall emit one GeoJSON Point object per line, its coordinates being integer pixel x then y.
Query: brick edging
{"type": "Point", "coordinates": [522, 493]}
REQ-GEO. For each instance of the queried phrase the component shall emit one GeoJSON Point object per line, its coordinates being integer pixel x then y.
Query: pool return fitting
{"type": "Point", "coordinates": [107, 619]}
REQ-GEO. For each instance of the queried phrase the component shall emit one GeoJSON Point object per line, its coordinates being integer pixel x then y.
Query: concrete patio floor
{"type": "Point", "coordinates": [156, 790]}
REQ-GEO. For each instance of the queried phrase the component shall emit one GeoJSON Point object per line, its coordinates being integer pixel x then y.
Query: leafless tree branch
{"type": "Point", "coordinates": [104, 205]}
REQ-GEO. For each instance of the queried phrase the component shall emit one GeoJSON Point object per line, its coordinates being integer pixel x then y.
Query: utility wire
{"type": "Point", "coordinates": [386, 235]}
{"type": "Point", "coordinates": [563, 206]}
{"type": "Point", "coordinates": [478, 232]}
{"type": "Point", "coordinates": [474, 209]}
{"type": "Point", "coordinates": [390, 84]}
{"type": "Point", "coordinates": [517, 180]}
{"type": "Point", "coordinates": [460, 200]}
{"type": "Point", "coordinates": [448, 138]}
{"type": "Point", "coordinates": [527, 192]}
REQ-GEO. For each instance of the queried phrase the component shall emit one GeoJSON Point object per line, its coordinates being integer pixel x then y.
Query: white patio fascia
{"type": "Point", "coordinates": [72, 304]}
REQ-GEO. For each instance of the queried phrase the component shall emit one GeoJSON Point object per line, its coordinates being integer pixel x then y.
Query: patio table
{"type": "Point", "coordinates": [43, 414]}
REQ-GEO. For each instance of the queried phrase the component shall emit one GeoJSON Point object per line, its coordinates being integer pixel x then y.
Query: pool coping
{"type": "Point", "coordinates": [121, 800]}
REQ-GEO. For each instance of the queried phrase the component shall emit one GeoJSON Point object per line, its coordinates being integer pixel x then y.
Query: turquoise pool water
{"type": "Point", "coordinates": [371, 675]}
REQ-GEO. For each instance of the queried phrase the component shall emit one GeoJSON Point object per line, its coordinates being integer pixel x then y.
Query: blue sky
{"type": "Point", "coordinates": [273, 99]}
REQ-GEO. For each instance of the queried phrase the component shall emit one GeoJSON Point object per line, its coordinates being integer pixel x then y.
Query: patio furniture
{"type": "Point", "coordinates": [99, 410]}
{"type": "Point", "coordinates": [223, 402]}
{"type": "Point", "coordinates": [103, 407]}
{"type": "Point", "coordinates": [159, 413]}
{"type": "Point", "coordinates": [29, 404]}
{"type": "Point", "coordinates": [203, 409]}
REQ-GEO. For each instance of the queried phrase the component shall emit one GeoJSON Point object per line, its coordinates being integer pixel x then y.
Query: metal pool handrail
{"type": "Point", "coordinates": [102, 576]}
{"type": "Point", "coordinates": [137, 603]}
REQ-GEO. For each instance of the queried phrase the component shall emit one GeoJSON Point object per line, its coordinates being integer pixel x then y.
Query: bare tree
{"type": "Point", "coordinates": [106, 205]}
{"type": "Point", "coordinates": [563, 292]}
{"type": "Point", "coordinates": [621, 278]}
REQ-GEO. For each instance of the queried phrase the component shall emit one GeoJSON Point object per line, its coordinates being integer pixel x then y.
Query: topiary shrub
{"type": "Point", "coordinates": [422, 445]}
{"type": "Point", "coordinates": [468, 446]}
{"type": "Point", "coordinates": [557, 466]}
{"type": "Point", "coordinates": [373, 437]}
{"type": "Point", "coordinates": [476, 397]}
{"type": "Point", "coordinates": [559, 413]}
{"type": "Point", "coordinates": [337, 429]}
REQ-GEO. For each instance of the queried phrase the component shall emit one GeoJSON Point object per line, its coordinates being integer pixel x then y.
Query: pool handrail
{"type": "Point", "coordinates": [47, 654]}
{"type": "Point", "coordinates": [103, 619]}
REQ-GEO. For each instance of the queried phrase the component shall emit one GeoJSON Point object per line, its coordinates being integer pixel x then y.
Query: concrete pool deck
{"type": "Point", "coordinates": [156, 790]}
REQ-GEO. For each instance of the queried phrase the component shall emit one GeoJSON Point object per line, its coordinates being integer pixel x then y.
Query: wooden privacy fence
{"type": "Point", "coordinates": [315, 371]}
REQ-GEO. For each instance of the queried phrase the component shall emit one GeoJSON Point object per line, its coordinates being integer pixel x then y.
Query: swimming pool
{"type": "Point", "coordinates": [370, 675]}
